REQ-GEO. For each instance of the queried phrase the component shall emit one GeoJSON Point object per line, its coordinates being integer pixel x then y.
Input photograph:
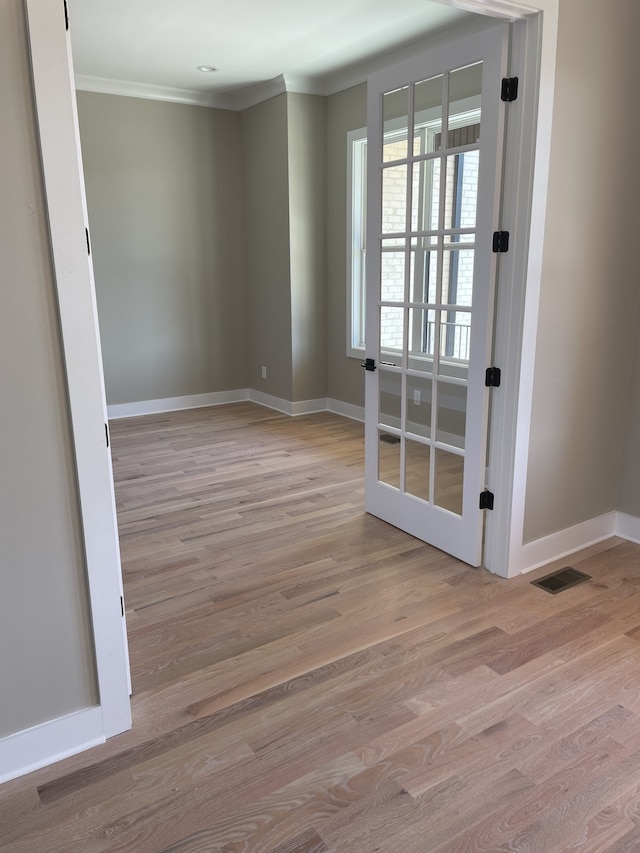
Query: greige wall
{"type": "Point", "coordinates": [266, 204]}
{"type": "Point", "coordinates": [306, 132]}
{"type": "Point", "coordinates": [589, 298]}
{"type": "Point", "coordinates": [47, 666]}
{"type": "Point", "coordinates": [629, 499]}
{"type": "Point", "coordinates": [165, 206]}
{"type": "Point", "coordinates": [345, 111]}
{"type": "Point", "coordinates": [208, 231]}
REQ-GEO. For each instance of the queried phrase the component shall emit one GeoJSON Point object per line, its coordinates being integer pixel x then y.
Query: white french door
{"type": "Point", "coordinates": [435, 134]}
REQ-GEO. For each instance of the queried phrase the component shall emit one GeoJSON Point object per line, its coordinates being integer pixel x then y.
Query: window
{"type": "Point", "coordinates": [356, 239]}
{"type": "Point", "coordinates": [459, 213]}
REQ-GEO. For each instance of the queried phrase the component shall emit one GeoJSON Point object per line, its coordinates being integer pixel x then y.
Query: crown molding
{"type": "Point", "coordinates": [232, 99]}
{"type": "Point", "coordinates": [510, 9]}
{"type": "Point", "coordinates": [131, 89]}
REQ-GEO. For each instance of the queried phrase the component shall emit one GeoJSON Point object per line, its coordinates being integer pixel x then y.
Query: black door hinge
{"type": "Point", "coordinates": [106, 432]}
{"type": "Point", "coordinates": [509, 91]}
{"type": "Point", "coordinates": [86, 232]}
{"type": "Point", "coordinates": [500, 241]}
{"type": "Point", "coordinates": [368, 364]}
{"type": "Point", "coordinates": [486, 499]}
{"type": "Point", "coordinates": [122, 605]}
{"type": "Point", "coordinates": [66, 16]}
{"type": "Point", "coordinates": [492, 377]}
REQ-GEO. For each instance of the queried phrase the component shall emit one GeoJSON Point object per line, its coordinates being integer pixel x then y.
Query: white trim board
{"type": "Point", "coordinates": [45, 744]}
{"type": "Point", "coordinates": [52, 74]}
{"type": "Point", "coordinates": [510, 9]}
{"type": "Point", "coordinates": [628, 527]}
{"type": "Point", "coordinates": [303, 407]}
{"type": "Point", "coordinates": [174, 404]}
{"type": "Point", "coordinates": [558, 545]}
{"type": "Point", "coordinates": [347, 410]}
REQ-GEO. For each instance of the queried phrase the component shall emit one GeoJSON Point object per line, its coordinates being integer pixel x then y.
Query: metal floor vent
{"type": "Point", "coordinates": [559, 581]}
{"type": "Point", "coordinates": [390, 439]}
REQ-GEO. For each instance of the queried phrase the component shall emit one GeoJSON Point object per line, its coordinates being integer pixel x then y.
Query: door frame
{"type": "Point", "coordinates": [52, 73]}
{"type": "Point", "coordinates": [525, 189]}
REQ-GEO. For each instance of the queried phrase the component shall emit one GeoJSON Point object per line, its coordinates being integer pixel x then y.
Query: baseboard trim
{"type": "Point", "coordinates": [45, 744]}
{"type": "Point", "coordinates": [347, 410]}
{"type": "Point", "coordinates": [562, 544]}
{"type": "Point", "coordinates": [628, 527]}
{"type": "Point", "coordinates": [175, 404]}
{"type": "Point", "coordinates": [303, 407]}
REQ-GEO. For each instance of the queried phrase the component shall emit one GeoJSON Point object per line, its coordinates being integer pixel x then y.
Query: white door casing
{"type": "Point", "coordinates": [525, 185]}
{"type": "Point", "coordinates": [52, 71]}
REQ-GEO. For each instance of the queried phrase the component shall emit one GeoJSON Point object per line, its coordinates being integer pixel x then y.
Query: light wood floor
{"type": "Point", "coordinates": [308, 679]}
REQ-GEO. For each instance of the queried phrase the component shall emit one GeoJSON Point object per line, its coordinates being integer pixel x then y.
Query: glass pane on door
{"type": "Point", "coordinates": [390, 398]}
{"type": "Point", "coordinates": [419, 409]}
{"type": "Point", "coordinates": [423, 272]}
{"type": "Point", "coordinates": [389, 458]}
{"type": "Point", "coordinates": [465, 91]}
{"type": "Point", "coordinates": [391, 335]}
{"type": "Point", "coordinates": [427, 104]}
{"type": "Point", "coordinates": [457, 285]}
{"type": "Point", "coordinates": [395, 116]}
{"type": "Point", "coordinates": [451, 416]}
{"type": "Point", "coordinates": [394, 199]}
{"type": "Point", "coordinates": [417, 469]}
{"type": "Point", "coordinates": [449, 481]}
{"type": "Point", "coordinates": [392, 270]}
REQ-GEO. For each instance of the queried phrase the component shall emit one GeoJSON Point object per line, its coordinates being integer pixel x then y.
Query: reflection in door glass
{"type": "Point", "coordinates": [395, 110]}
{"type": "Point", "coordinates": [457, 273]}
{"type": "Point", "coordinates": [419, 395]}
{"type": "Point", "coordinates": [417, 467]}
{"type": "Point", "coordinates": [428, 108]}
{"type": "Point", "coordinates": [390, 405]}
{"type": "Point", "coordinates": [455, 335]}
{"type": "Point", "coordinates": [462, 190]}
{"type": "Point", "coordinates": [424, 269]}
{"type": "Point", "coordinates": [394, 199]}
{"type": "Point", "coordinates": [391, 335]}
{"type": "Point", "coordinates": [464, 84]}
{"type": "Point", "coordinates": [392, 271]}
{"type": "Point", "coordinates": [389, 459]}
{"type": "Point", "coordinates": [425, 197]}
{"type": "Point", "coordinates": [452, 414]}
{"type": "Point", "coordinates": [422, 338]}
{"type": "Point", "coordinates": [449, 478]}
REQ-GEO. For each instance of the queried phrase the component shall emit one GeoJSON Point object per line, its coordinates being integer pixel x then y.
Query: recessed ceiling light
{"type": "Point", "coordinates": [205, 68]}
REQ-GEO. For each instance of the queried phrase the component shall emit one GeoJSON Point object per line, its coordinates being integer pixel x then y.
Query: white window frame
{"type": "Point", "coordinates": [356, 239]}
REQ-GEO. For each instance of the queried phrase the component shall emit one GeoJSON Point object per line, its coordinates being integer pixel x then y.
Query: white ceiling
{"type": "Point", "coordinates": [130, 45]}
